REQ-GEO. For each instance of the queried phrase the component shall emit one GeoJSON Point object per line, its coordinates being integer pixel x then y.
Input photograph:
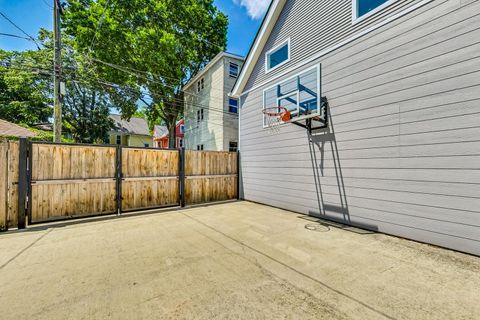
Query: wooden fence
{"type": "Point", "coordinates": [8, 184]}
{"type": "Point", "coordinates": [44, 181]}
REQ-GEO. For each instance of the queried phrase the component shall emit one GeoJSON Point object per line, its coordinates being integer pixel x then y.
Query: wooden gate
{"type": "Point", "coordinates": [210, 176]}
{"type": "Point", "coordinates": [150, 178]}
{"type": "Point", "coordinates": [54, 181]}
{"type": "Point", "coordinates": [71, 181]}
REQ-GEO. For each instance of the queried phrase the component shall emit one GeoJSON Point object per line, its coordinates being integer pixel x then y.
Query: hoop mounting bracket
{"type": "Point", "coordinates": [309, 122]}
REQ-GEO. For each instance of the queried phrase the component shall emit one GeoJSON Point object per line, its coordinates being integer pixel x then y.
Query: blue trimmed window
{"type": "Point", "coordinates": [278, 56]}
{"type": "Point", "coordinates": [365, 6]}
{"type": "Point", "coordinates": [233, 105]}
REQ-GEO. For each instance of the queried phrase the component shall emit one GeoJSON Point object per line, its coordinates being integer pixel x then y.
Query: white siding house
{"type": "Point", "coordinates": [401, 152]}
{"type": "Point", "coordinates": [211, 116]}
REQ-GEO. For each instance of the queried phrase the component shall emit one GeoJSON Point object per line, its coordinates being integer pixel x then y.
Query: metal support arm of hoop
{"type": "Point", "coordinates": [309, 121]}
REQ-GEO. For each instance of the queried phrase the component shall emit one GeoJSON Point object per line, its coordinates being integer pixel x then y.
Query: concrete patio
{"type": "Point", "coordinates": [229, 261]}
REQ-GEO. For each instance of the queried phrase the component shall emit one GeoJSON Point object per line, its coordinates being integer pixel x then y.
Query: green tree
{"type": "Point", "coordinates": [24, 87]}
{"type": "Point", "coordinates": [152, 46]}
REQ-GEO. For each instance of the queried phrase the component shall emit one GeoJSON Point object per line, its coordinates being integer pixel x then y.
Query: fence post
{"type": "Point", "coordinates": [181, 176]}
{"type": "Point", "coordinates": [22, 182]}
{"type": "Point", "coordinates": [118, 177]}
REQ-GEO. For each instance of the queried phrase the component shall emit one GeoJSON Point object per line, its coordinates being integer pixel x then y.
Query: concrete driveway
{"type": "Point", "coordinates": [230, 261]}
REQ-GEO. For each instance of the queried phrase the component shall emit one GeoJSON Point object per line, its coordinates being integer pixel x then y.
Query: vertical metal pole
{"type": "Point", "coordinates": [118, 176]}
{"type": "Point", "coordinates": [181, 176]}
{"type": "Point", "coordinates": [22, 182]}
{"type": "Point", "coordinates": [57, 72]}
{"type": "Point", "coordinates": [29, 182]}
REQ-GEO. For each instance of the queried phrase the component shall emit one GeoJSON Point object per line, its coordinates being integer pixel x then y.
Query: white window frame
{"type": "Point", "coordinates": [357, 19]}
{"type": "Point", "coordinates": [269, 52]}
{"type": "Point", "coordinates": [230, 105]}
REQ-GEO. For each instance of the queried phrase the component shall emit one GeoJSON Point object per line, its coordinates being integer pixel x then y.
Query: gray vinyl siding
{"type": "Point", "coordinates": [402, 152]}
{"type": "Point", "coordinates": [313, 26]}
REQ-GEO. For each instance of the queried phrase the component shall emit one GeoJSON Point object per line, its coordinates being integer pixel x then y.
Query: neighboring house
{"type": "Point", "coordinates": [8, 129]}
{"type": "Point", "coordinates": [133, 133]}
{"type": "Point", "coordinates": [400, 153]}
{"type": "Point", "coordinates": [161, 136]}
{"type": "Point", "coordinates": [211, 116]}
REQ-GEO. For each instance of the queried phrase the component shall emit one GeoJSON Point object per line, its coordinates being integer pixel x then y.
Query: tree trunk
{"type": "Point", "coordinates": [172, 134]}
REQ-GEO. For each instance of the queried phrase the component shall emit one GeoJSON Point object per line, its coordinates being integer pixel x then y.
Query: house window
{"type": "Point", "coordinates": [278, 56]}
{"type": "Point", "coordinates": [146, 145]}
{"type": "Point", "coordinates": [200, 85]}
{"type": "Point", "coordinates": [200, 147]}
{"type": "Point", "coordinates": [232, 146]}
{"type": "Point", "coordinates": [233, 105]}
{"type": "Point", "coordinates": [182, 128]}
{"type": "Point", "coordinates": [233, 71]}
{"type": "Point", "coordinates": [363, 7]}
{"type": "Point", "coordinates": [180, 143]}
{"type": "Point", "coordinates": [119, 139]}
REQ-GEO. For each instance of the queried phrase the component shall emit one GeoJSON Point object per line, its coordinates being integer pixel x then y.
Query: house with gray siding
{"type": "Point", "coordinates": [396, 148]}
{"type": "Point", "coordinates": [211, 115]}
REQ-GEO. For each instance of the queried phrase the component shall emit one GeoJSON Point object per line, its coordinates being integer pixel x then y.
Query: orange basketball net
{"type": "Point", "coordinates": [274, 116]}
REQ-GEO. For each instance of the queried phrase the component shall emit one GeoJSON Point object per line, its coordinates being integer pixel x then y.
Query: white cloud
{"type": "Point", "coordinates": [255, 8]}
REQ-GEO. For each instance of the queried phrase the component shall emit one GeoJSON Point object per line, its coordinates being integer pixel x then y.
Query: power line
{"type": "Point", "coordinates": [47, 4]}
{"type": "Point", "coordinates": [16, 26]}
{"type": "Point", "coordinates": [14, 36]}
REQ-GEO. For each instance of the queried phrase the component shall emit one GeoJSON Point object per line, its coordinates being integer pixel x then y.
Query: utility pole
{"type": "Point", "coordinates": [57, 71]}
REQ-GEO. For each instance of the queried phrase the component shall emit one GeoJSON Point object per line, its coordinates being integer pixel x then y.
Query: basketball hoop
{"type": "Point", "coordinates": [274, 116]}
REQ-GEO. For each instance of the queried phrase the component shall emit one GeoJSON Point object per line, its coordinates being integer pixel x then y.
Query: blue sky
{"type": "Point", "coordinates": [245, 17]}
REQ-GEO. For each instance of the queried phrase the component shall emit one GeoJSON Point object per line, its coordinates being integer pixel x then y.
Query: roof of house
{"type": "Point", "coordinates": [258, 44]}
{"type": "Point", "coordinates": [210, 64]}
{"type": "Point", "coordinates": [160, 131]}
{"type": "Point", "coordinates": [137, 126]}
{"type": "Point", "coordinates": [9, 129]}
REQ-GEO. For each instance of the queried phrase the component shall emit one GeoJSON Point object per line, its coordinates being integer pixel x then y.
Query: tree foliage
{"type": "Point", "coordinates": [24, 87]}
{"type": "Point", "coordinates": [152, 46]}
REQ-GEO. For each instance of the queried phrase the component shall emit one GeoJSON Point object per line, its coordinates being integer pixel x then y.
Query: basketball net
{"type": "Point", "coordinates": [275, 116]}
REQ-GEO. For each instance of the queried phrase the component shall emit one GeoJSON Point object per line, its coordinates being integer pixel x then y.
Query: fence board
{"type": "Point", "coordinates": [210, 176]}
{"type": "Point", "coordinates": [149, 163]}
{"type": "Point", "coordinates": [151, 193]}
{"type": "Point", "coordinates": [72, 181]}
{"type": "Point", "coordinates": [210, 189]}
{"type": "Point", "coordinates": [60, 199]}
{"type": "Point", "coordinates": [3, 184]}
{"type": "Point", "coordinates": [13, 161]}
{"type": "Point", "coordinates": [210, 163]}
{"type": "Point", "coordinates": [58, 162]}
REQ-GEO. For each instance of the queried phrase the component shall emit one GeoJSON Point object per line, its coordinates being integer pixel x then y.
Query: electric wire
{"type": "Point", "coordinates": [21, 30]}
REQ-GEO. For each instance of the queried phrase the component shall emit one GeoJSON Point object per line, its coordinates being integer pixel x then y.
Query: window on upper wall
{"type": "Point", "coordinates": [119, 139]}
{"type": "Point", "coordinates": [363, 8]}
{"type": "Point", "coordinates": [233, 146]}
{"type": "Point", "coordinates": [182, 128]}
{"type": "Point", "coordinates": [233, 105]}
{"type": "Point", "coordinates": [278, 56]}
{"type": "Point", "coordinates": [201, 84]}
{"type": "Point", "coordinates": [233, 70]}
{"type": "Point", "coordinates": [200, 147]}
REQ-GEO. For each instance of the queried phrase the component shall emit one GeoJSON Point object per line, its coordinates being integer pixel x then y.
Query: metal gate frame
{"type": "Point", "coordinates": [25, 180]}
